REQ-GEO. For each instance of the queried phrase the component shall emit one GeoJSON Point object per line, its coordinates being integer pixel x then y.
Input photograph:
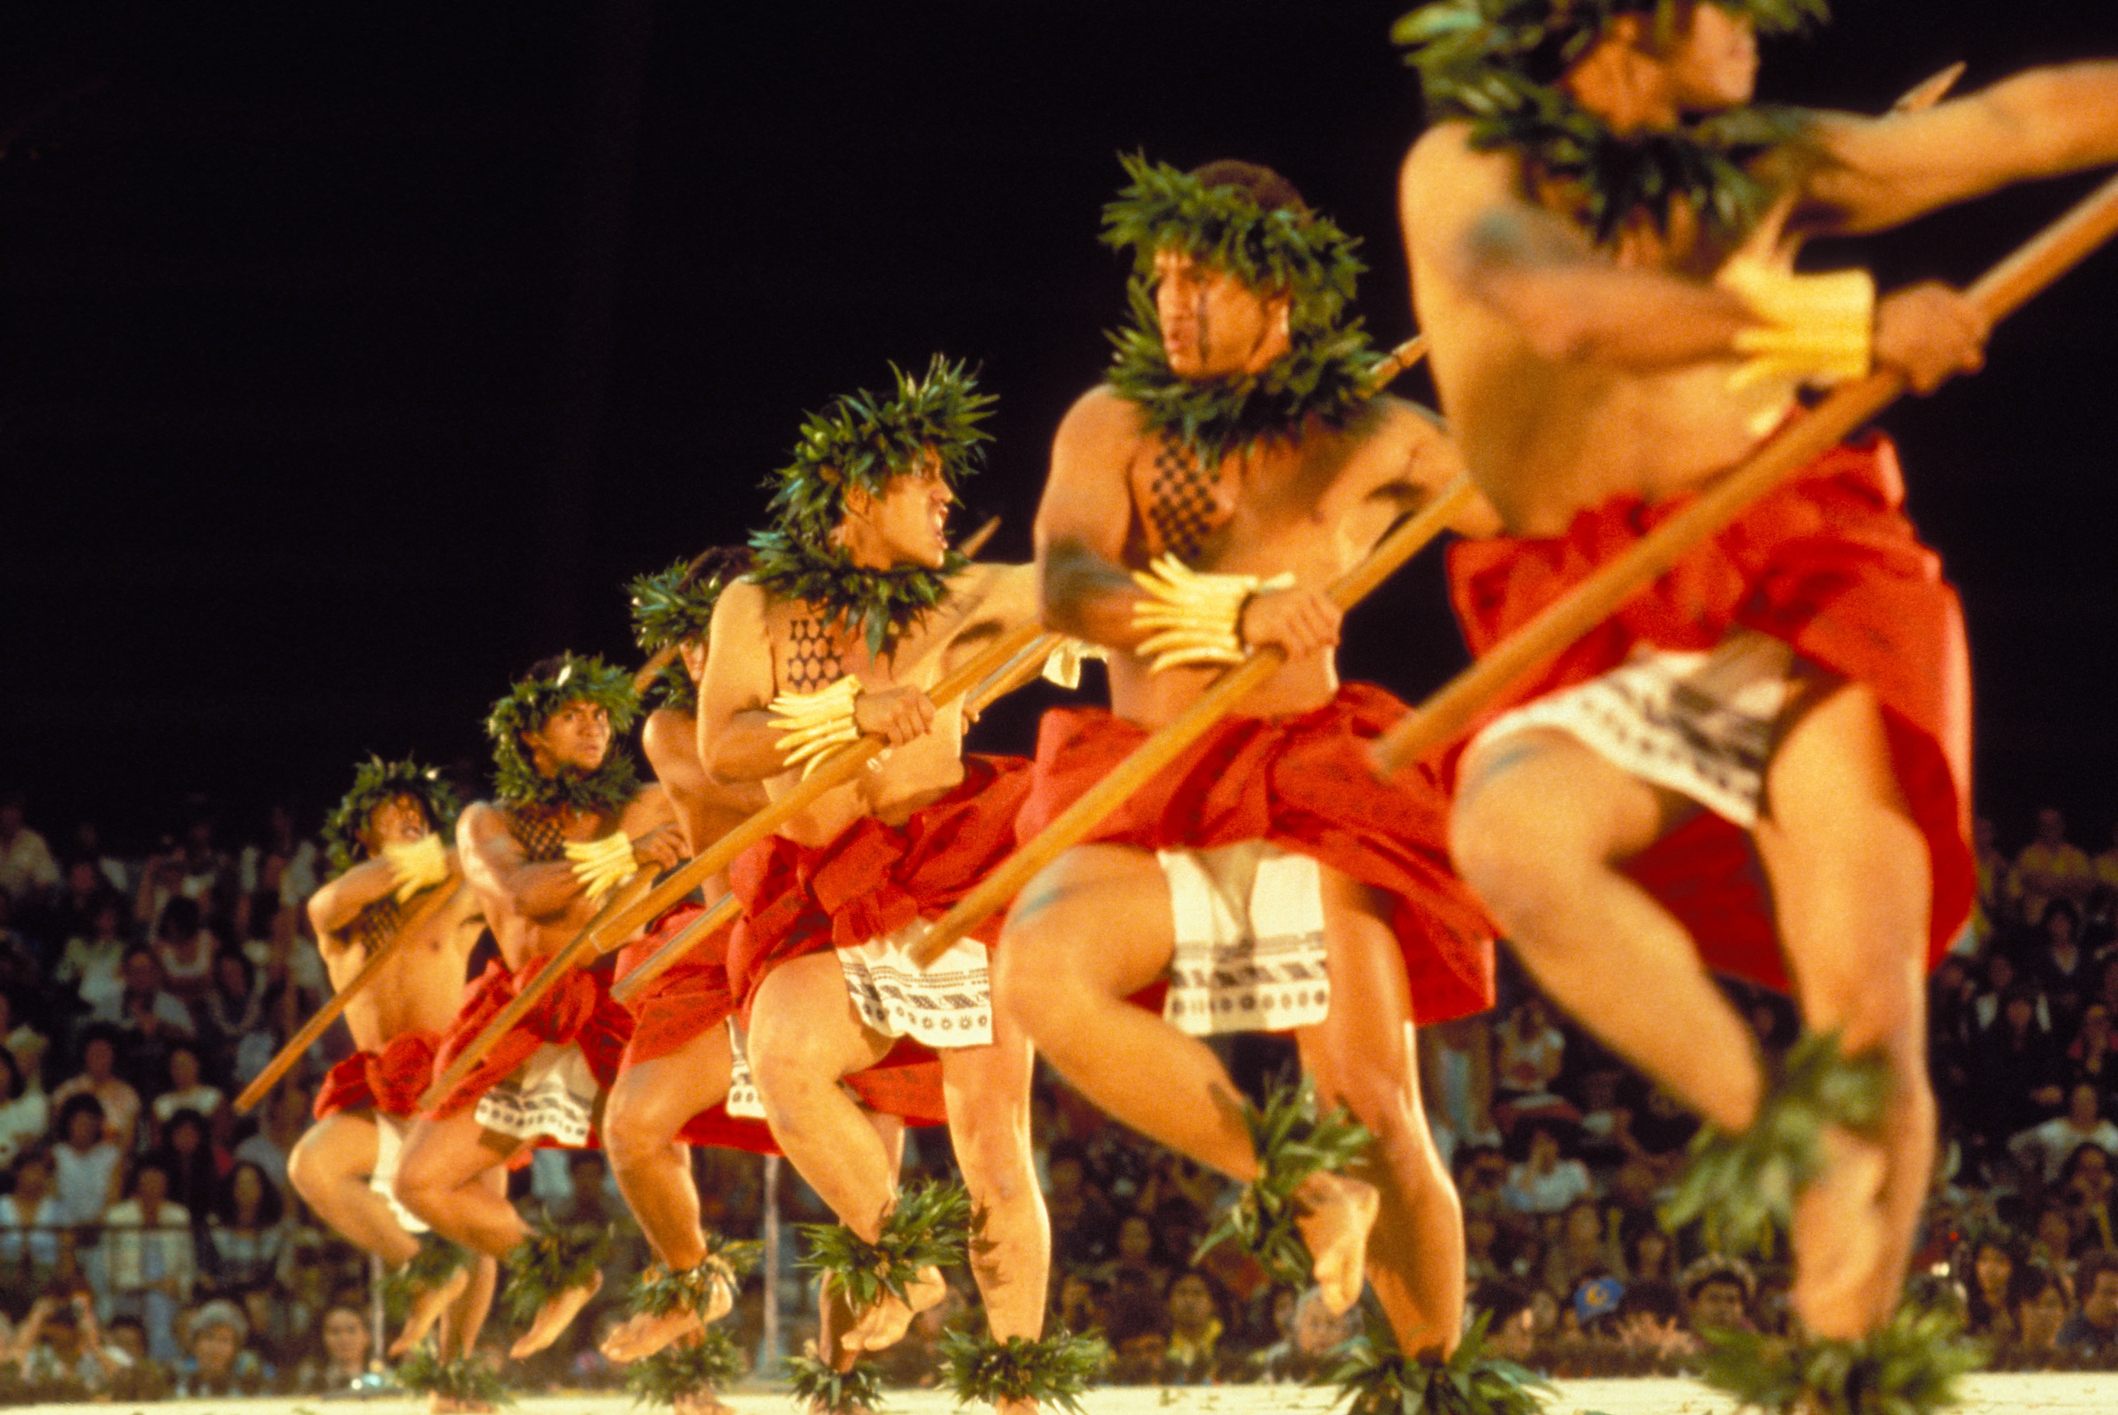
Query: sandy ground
{"type": "Point", "coordinates": [1987, 1395]}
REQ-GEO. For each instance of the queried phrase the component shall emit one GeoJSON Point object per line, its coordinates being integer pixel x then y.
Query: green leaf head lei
{"type": "Point", "coordinates": [551, 684]}
{"type": "Point", "coordinates": [374, 782]}
{"type": "Point", "coordinates": [1497, 65]}
{"type": "Point", "coordinates": [866, 440]}
{"type": "Point", "coordinates": [676, 603]}
{"type": "Point", "coordinates": [1215, 216]}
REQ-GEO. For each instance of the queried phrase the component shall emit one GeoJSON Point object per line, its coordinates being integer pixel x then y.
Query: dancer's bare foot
{"type": "Point", "coordinates": [885, 1323]}
{"type": "Point", "coordinates": [552, 1318]}
{"type": "Point", "coordinates": [1841, 1243]}
{"type": "Point", "coordinates": [425, 1309]}
{"type": "Point", "coordinates": [703, 1403]}
{"type": "Point", "coordinates": [1015, 1407]}
{"type": "Point", "coordinates": [1336, 1214]}
{"type": "Point", "coordinates": [644, 1335]}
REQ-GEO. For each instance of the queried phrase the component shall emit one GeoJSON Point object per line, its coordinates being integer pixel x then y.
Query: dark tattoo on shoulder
{"type": "Point", "coordinates": [1182, 502]}
{"type": "Point", "coordinates": [813, 660]}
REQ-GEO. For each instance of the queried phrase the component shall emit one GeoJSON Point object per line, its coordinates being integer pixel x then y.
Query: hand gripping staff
{"type": "Point", "coordinates": [2003, 290]}
{"type": "Point", "coordinates": [1227, 692]}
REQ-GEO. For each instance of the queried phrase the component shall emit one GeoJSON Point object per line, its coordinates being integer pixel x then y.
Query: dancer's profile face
{"type": "Point", "coordinates": [907, 522]}
{"type": "Point", "coordinates": [1214, 325]}
{"type": "Point", "coordinates": [1714, 63]}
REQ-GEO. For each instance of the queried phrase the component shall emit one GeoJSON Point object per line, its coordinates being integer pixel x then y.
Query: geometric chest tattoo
{"type": "Point", "coordinates": [539, 830]}
{"type": "Point", "coordinates": [812, 656]}
{"type": "Point", "coordinates": [376, 924]}
{"type": "Point", "coordinates": [1183, 504]}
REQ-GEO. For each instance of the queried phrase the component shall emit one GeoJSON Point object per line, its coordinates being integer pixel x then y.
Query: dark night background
{"type": "Point", "coordinates": [355, 354]}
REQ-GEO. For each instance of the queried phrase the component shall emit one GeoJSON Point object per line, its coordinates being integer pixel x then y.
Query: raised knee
{"type": "Point", "coordinates": [631, 1135]}
{"type": "Point", "coordinates": [307, 1170]}
{"type": "Point", "coordinates": [1517, 865]}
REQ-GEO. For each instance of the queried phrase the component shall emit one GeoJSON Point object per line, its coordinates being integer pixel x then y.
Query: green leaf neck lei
{"type": "Point", "coordinates": [610, 786]}
{"type": "Point", "coordinates": [880, 605]}
{"type": "Point", "coordinates": [1325, 377]}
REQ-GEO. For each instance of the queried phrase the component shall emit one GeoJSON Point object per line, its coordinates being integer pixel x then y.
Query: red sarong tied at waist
{"type": "Point", "coordinates": [1828, 564]}
{"type": "Point", "coordinates": [1303, 783]}
{"type": "Point", "coordinates": [578, 1011]}
{"type": "Point", "coordinates": [389, 1081]}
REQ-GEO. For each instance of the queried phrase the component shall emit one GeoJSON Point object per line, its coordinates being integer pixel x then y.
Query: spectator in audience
{"type": "Point", "coordinates": [146, 1378]}
{"type": "Point", "coordinates": [1529, 1052]}
{"type": "Point", "coordinates": [1081, 1305]}
{"type": "Point", "coordinates": [246, 1239]}
{"type": "Point", "coordinates": [2085, 1189]}
{"type": "Point", "coordinates": [2038, 1300]}
{"type": "Point", "coordinates": [148, 1243]}
{"type": "Point", "coordinates": [1510, 1318]}
{"type": "Point", "coordinates": [1989, 1286]}
{"type": "Point", "coordinates": [1081, 1217]}
{"type": "Point", "coordinates": [185, 949]}
{"type": "Point", "coordinates": [2018, 1066]}
{"type": "Point", "coordinates": [24, 1113]}
{"type": "Point", "coordinates": [92, 961]}
{"type": "Point", "coordinates": [2092, 1330]}
{"type": "Point", "coordinates": [31, 1226]}
{"type": "Point", "coordinates": [1649, 1255]}
{"type": "Point", "coordinates": [2045, 1148]}
{"type": "Point", "coordinates": [2049, 868]}
{"type": "Point", "coordinates": [1139, 1337]}
{"type": "Point", "coordinates": [85, 1163]}
{"type": "Point", "coordinates": [219, 1364]}
{"type": "Point", "coordinates": [1545, 1181]}
{"type": "Point", "coordinates": [286, 1116]}
{"type": "Point", "coordinates": [20, 1039]}
{"type": "Point", "coordinates": [60, 1343]}
{"type": "Point", "coordinates": [118, 1101]}
{"type": "Point", "coordinates": [234, 1016]}
{"type": "Point", "coordinates": [1195, 1328]}
{"type": "Point", "coordinates": [1718, 1292]}
{"type": "Point", "coordinates": [195, 1168]}
{"type": "Point", "coordinates": [278, 868]}
{"type": "Point", "coordinates": [2092, 1057]}
{"type": "Point", "coordinates": [1584, 1248]}
{"type": "Point", "coordinates": [340, 1360]}
{"type": "Point", "coordinates": [2062, 969]}
{"type": "Point", "coordinates": [27, 868]}
{"type": "Point", "coordinates": [150, 1020]}
{"type": "Point", "coordinates": [1315, 1334]}
{"type": "Point", "coordinates": [1134, 1255]}
{"type": "Point", "coordinates": [186, 1089]}
{"type": "Point", "coordinates": [2053, 1236]}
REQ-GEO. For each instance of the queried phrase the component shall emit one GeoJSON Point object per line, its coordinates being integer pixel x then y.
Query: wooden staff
{"type": "Point", "coordinates": [661, 657]}
{"type": "Point", "coordinates": [1074, 823]}
{"type": "Point", "coordinates": [620, 922]}
{"type": "Point", "coordinates": [437, 900]}
{"type": "Point", "coordinates": [2003, 290]}
{"type": "Point", "coordinates": [1020, 669]}
{"type": "Point", "coordinates": [679, 944]}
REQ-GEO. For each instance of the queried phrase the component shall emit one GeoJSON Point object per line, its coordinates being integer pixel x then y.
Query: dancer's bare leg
{"type": "Point", "coordinates": [1362, 1056]}
{"type": "Point", "coordinates": [330, 1167]}
{"type": "Point", "coordinates": [987, 1092]}
{"type": "Point", "coordinates": [443, 1179]}
{"type": "Point", "coordinates": [1852, 887]}
{"type": "Point", "coordinates": [1087, 934]}
{"type": "Point", "coordinates": [804, 1037]}
{"type": "Point", "coordinates": [1540, 827]}
{"type": "Point", "coordinates": [647, 1108]}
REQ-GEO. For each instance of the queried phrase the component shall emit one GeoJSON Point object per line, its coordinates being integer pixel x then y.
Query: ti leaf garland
{"type": "Point", "coordinates": [1052, 1372]}
{"type": "Point", "coordinates": [927, 1229]}
{"type": "Point", "coordinates": [374, 782]}
{"type": "Point", "coordinates": [554, 1258]}
{"type": "Point", "coordinates": [698, 1365]}
{"type": "Point", "coordinates": [675, 604]}
{"type": "Point", "coordinates": [1746, 1183]}
{"type": "Point", "coordinates": [461, 1378]}
{"type": "Point", "coordinates": [1376, 1379]}
{"type": "Point", "coordinates": [1293, 1143]}
{"type": "Point", "coordinates": [1327, 372]}
{"type": "Point", "coordinates": [532, 700]}
{"type": "Point", "coordinates": [818, 1386]}
{"type": "Point", "coordinates": [1496, 64]}
{"type": "Point", "coordinates": [1909, 1366]}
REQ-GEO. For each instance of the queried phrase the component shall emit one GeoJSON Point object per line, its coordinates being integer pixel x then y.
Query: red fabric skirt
{"type": "Point", "coordinates": [1303, 783]}
{"type": "Point", "coordinates": [578, 1011]}
{"type": "Point", "coordinates": [872, 880]}
{"type": "Point", "coordinates": [1830, 565]}
{"type": "Point", "coordinates": [389, 1081]}
{"type": "Point", "coordinates": [688, 1001]}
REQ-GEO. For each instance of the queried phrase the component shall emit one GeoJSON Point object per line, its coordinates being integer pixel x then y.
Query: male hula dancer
{"type": "Point", "coordinates": [1602, 238]}
{"type": "Point", "coordinates": [853, 608]}
{"type": "Point", "coordinates": [1233, 463]}
{"type": "Point", "coordinates": [673, 1081]}
{"type": "Point", "coordinates": [385, 840]}
{"type": "Point", "coordinates": [568, 823]}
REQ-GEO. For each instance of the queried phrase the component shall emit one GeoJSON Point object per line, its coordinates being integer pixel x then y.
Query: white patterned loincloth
{"type": "Point", "coordinates": [389, 1151]}
{"type": "Point", "coordinates": [948, 1003]}
{"type": "Point", "coordinates": [743, 1100]}
{"type": "Point", "coordinates": [1249, 924]}
{"type": "Point", "coordinates": [553, 1094]}
{"type": "Point", "coordinates": [1702, 724]}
